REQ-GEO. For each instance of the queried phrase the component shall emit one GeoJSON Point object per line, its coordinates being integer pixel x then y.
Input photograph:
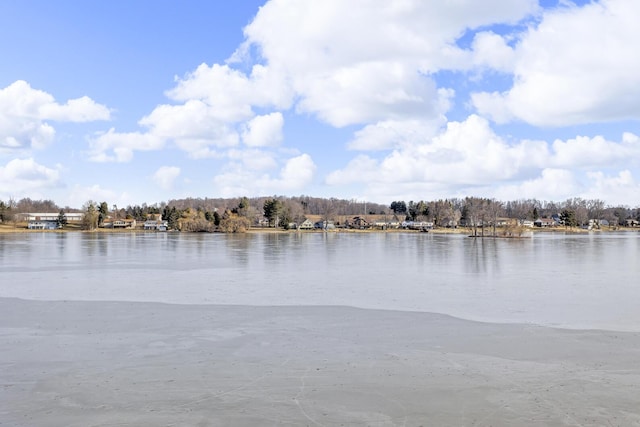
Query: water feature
{"type": "Point", "coordinates": [573, 280]}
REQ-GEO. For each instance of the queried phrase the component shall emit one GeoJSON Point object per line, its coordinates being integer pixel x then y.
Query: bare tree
{"type": "Point", "coordinates": [473, 212]}
{"type": "Point", "coordinates": [13, 212]}
{"type": "Point", "coordinates": [522, 209]}
{"type": "Point", "coordinates": [596, 209]}
{"type": "Point", "coordinates": [494, 208]}
{"type": "Point", "coordinates": [440, 210]}
{"type": "Point", "coordinates": [293, 211]}
{"type": "Point", "coordinates": [90, 217]}
{"type": "Point", "coordinates": [579, 206]}
{"type": "Point", "coordinates": [328, 210]}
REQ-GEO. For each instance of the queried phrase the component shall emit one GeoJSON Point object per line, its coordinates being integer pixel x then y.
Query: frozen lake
{"type": "Point", "coordinates": [574, 281]}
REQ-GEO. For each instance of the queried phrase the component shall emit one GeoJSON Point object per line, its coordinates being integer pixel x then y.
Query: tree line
{"type": "Point", "coordinates": [237, 214]}
{"type": "Point", "coordinates": [575, 211]}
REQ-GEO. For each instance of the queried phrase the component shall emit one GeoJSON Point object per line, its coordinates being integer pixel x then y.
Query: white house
{"type": "Point", "coordinates": [50, 216]}
{"type": "Point", "coordinates": [42, 225]}
{"type": "Point", "coordinates": [158, 225]}
{"type": "Point", "coordinates": [306, 225]}
{"type": "Point", "coordinates": [119, 223]}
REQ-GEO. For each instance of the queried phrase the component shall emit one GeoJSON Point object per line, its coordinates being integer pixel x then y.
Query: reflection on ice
{"type": "Point", "coordinates": [586, 280]}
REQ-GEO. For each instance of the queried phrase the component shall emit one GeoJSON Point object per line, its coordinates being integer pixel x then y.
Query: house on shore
{"type": "Point", "coordinates": [156, 225]}
{"type": "Point", "coordinates": [307, 224]}
{"type": "Point", "coordinates": [417, 225]}
{"type": "Point", "coordinates": [119, 223]}
{"type": "Point", "coordinates": [43, 225]}
{"type": "Point", "coordinates": [359, 223]}
{"type": "Point", "coordinates": [545, 222]}
{"type": "Point", "coordinates": [47, 220]}
{"type": "Point", "coordinates": [324, 225]}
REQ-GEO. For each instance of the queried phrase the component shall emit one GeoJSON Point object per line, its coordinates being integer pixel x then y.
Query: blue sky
{"type": "Point", "coordinates": [132, 102]}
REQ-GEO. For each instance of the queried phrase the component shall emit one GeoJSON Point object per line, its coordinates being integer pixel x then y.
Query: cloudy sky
{"type": "Point", "coordinates": [378, 100]}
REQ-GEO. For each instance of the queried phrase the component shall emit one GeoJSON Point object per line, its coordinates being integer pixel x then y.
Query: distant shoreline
{"type": "Point", "coordinates": [10, 229]}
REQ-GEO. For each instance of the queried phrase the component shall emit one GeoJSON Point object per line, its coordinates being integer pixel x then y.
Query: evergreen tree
{"type": "Point", "coordinates": [103, 213]}
{"type": "Point", "coordinates": [412, 212]}
{"type": "Point", "coordinates": [243, 207]}
{"type": "Point", "coordinates": [398, 207]}
{"type": "Point", "coordinates": [62, 219]}
{"type": "Point", "coordinates": [568, 218]}
{"type": "Point", "coordinates": [535, 215]}
{"type": "Point", "coordinates": [172, 216]}
{"type": "Point", "coordinates": [3, 211]}
{"type": "Point", "coordinates": [272, 211]}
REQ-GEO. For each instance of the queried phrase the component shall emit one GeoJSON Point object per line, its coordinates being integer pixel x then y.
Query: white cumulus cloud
{"type": "Point", "coordinates": [296, 173]}
{"type": "Point", "coordinates": [615, 189]}
{"type": "Point", "coordinates": [232, 94]}
{"type": "Point", "coordinates": [21, 176]}
{"type": "Point", "coordinates": [584, 151]}
{"type": "Point", "coordinates": [551, 184]}
{"type": "Point", "coordinates": [80, 194]}
{"type": "Point", "coordinates": [254, 159]}
{"type": "Point", "coordinates": [25, 113]}
{"type": "Point", "coordinates": [165, 176]}
{"type": "Point", "coordinates": [370, 60]}
{"type": "Point", "coordinates": [579, 65]}
{"type": "Point", "coordinates": [469, 158]}
{"type": "Point", "coordinates": [115, 146]}
{"type": "Point", "coordinates": [373, 67]}
{"type": "Point", "coordinates": [369, 63]}
{"type": "Point", "coordinates": [264, 131]}
{"type": "Point", "coordinates": [390, 134]}
{"type": "Point", "coordinates": [491, 50]}
{"type": "Point", "coordinates": [215, 107]}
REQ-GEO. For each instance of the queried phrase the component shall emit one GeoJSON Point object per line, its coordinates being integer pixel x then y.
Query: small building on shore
{"type": "Point", "coordinates": [119, 223]}
{"type": "Point", "coordinates": [545, 222]}
{"type": "Point", "coordinates": [48, 220]}
{"type": "Point", "coordinates": [156, 225]}
{"type": "Point", "coordinates": [43, 225]}
{"type": "Point", "coordinates": [307, 224]}
{"type": "Point", "coordinates": [50, 216]}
